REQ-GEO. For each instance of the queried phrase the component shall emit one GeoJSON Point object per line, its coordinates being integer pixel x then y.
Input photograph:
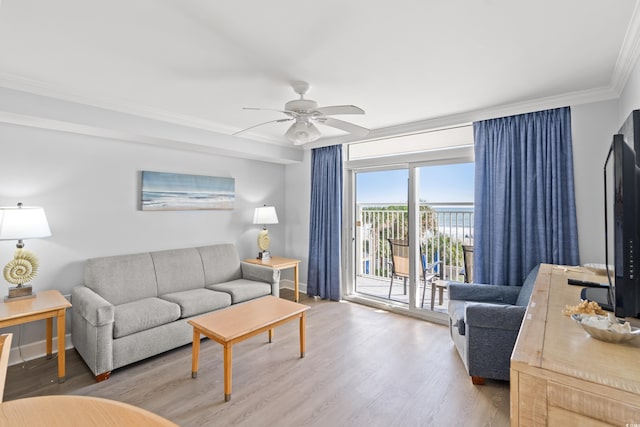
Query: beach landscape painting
{"type": "Point", "coordinates": [162, 191]}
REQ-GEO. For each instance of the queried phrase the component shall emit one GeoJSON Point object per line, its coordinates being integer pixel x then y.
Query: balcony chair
{"type": "Point", "coordinates": [484, 321]}
{"type": "Point", "coordinates": [467, 253]}
{"type": "Point", "coordinates": [400, 269]}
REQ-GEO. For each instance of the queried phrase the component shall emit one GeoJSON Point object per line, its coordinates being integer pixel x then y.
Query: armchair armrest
{"type": "Point", "coordinates": [92, 307]}
{"type": "Point", "coordinates": [483, 293]}
{"type": "Point", "coordinates": [494, 316]}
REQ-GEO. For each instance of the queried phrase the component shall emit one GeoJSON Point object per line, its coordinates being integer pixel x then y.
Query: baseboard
{"type": "Point", "coordinates": [34, 350]}
{"type": "Point", "coordinates": [288, 284]}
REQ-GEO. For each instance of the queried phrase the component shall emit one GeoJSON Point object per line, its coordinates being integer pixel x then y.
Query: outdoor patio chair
{"type": "Point", "coordinates": [400, 269]}
{"type": "Point", "coordinates": [467, 253]}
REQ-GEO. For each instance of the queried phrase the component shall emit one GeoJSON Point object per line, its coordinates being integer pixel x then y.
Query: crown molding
{"type": "Point", "coordinates": [37, 87]}
{"type": "Point", "coordinates": [556, 101]}
{"type": "Point", "coordinates": [629, 53]}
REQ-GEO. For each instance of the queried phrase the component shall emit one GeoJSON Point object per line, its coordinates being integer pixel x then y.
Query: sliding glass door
{"type": "Point", "coordinates": [410, 227]}
{"type": "Point", "coordinates": [381, 220]}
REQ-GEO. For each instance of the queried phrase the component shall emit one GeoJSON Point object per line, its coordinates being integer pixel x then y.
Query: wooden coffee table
{"type": "Point", "coordinates": [239, 322]}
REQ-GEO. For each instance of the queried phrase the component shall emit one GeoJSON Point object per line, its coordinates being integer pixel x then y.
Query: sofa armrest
{"type": "Point", "coordinates": [92, 307]}
{"type": "Point", "coordinates": [483, 293]}
{"type": "Point", "coordinates": [260, 273]}
{"type": "Point", "coordinates": [494, 316]}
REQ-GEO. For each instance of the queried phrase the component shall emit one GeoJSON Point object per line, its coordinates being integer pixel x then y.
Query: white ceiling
{"type": "Point", "coordinates": [407, 63]}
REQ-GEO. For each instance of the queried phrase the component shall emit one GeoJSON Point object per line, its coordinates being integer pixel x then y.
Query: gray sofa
{"type": "Point", "coordinates": [135, 306]}
{"type": "Point", "coordinates": [484, 321]}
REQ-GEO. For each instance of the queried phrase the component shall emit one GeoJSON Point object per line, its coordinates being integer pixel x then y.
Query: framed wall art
{"type": "Point", "coordinates": [163, 191]}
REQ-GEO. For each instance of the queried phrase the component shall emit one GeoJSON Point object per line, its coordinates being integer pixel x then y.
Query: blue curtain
{"type": "Point", "coordinates": [323, 278]}
{"type": "Point", "coordinates": [525, 209]}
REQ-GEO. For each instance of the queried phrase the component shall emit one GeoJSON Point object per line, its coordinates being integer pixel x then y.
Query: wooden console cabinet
{"type": "Point", "coordinates": [560, 376]}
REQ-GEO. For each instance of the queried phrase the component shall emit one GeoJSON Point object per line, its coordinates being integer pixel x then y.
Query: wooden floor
{"type": "Point", "coordinates": [363, 367]}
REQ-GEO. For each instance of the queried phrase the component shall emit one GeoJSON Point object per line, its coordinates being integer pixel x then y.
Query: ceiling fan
{"type": "Point", "coordinates": [305, 113]}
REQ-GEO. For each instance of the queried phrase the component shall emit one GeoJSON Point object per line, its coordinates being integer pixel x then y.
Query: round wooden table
{"type": "Point", "coordinates": [78, 411]}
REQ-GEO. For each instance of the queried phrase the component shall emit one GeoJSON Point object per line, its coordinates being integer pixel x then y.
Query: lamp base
{"type": "Point", "coordinates": [264, 255]}
{"type": "Point", "coordinates": [19, 292]}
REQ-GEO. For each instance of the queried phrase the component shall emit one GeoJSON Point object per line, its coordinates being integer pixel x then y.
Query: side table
{"type": "Point", "coordinates": [280, 263]}
{"type": "Point", "coordinates": [45, 305]}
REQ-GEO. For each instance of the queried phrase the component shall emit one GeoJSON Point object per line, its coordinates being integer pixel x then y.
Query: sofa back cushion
{"type": "Point", "coordinates": [221, 263]}
{"type": "Point", "coordinates": [527, 287]}
{"type": "Point", "coordinates": [178, 270]}
{"type": "Point", "coordinates": [122, 278]}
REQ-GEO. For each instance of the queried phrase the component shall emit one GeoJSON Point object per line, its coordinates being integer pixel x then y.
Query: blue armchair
{"type": "Point", "coordinates": [484, 321]}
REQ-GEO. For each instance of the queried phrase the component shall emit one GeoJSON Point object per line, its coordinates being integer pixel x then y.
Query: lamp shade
{"type": "Point", "coordinates": [265, 215]}
{"type": "Point", "coordinates": [23, 222]}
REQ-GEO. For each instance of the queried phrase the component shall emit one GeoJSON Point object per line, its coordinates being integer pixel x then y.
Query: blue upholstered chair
{"type": "Point", "coordinates": [484, 321]}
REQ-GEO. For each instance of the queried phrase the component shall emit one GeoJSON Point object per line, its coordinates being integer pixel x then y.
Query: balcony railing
{"type": "Point", "coordinates": [444, 228]}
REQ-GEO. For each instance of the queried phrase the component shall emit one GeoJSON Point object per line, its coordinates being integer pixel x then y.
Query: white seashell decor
{"type": "Point", "coordinates": [22, 268]}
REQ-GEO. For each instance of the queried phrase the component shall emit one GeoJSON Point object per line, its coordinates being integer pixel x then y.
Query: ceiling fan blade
{"type": "Point", "coordinates": [288, 113]}
{"type": "Point", "coordinates": [342, 125]}
{"type": "Point", "coordinates": [260, 124]}
{"type": "Point", "coordinates": [339, 109]}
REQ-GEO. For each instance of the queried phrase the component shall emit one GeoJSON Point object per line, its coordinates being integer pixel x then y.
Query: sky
{"type": "Point", "coordinates": [438, 184]}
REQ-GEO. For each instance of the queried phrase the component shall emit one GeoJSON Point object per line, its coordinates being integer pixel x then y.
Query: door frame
{"type": "Point", "coordinates": [412, 163]}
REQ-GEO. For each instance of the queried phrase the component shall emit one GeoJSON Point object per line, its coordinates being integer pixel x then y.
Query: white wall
{"type": "Point", "coordinates": [630, 97]}
{"type": "Point", "coordinates": [298, 189]}
{"type": "Point", "coordinates": [592, 128]}
{"type": "Point", "coordinates": [89, 187]}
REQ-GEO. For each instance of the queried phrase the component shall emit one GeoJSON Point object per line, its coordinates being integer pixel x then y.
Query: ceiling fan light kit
{"type": "Point", "coordinates": [306, 111]}
{"type": "Point", "coordinates": [302, 131]}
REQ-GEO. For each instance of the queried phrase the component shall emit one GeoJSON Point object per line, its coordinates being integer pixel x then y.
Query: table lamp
{"type": "Point", "coordinates": [21, 223]}
{"type": "Point", "coordinates": [264, 215]}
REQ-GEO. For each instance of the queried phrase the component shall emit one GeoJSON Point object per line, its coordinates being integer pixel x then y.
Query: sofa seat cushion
{"type": "Point", "coordinates": [143, 314]}
{"type": "Point", "coordinates": [198, 301]}
{"type": "Point", "coordinates": [242, 289]}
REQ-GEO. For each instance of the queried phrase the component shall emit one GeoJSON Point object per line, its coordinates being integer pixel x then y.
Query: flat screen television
{"type": "Point", "coordinates": [622, 220]}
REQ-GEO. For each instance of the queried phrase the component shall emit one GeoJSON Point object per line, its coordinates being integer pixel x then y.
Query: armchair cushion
{"type": "Point", "coordinates": [494, 316]}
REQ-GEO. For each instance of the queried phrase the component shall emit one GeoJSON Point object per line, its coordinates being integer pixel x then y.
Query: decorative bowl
{"type": "Point", "coordinates": [602, 334]}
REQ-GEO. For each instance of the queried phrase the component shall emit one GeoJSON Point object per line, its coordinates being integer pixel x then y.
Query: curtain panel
{"type": "Point", "coordinates": [525, 209]}
{"type": "Point", "coordinates": [323, 277]}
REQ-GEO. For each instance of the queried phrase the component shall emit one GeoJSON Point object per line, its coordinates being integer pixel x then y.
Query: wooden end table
{"type": "Point", "coordinates": [280, 263]}
{"type": "Point", "coordinates": [241, 321]}
{"type": "Point", "coordinates": [45, 305]}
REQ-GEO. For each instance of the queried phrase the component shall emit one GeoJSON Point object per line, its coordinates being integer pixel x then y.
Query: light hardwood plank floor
{"type": "Point", "coordinates": [363, 367]}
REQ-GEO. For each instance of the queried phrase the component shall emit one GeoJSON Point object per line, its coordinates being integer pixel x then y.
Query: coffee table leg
{"type": "Point", "coordinates": [227, 372]}
{"type": "Point", "coordinates": [270, 335]}
{"type": "Point", "coordinates": [195, 353]}
{"type": "Point", "coordinates": [302, 337]}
